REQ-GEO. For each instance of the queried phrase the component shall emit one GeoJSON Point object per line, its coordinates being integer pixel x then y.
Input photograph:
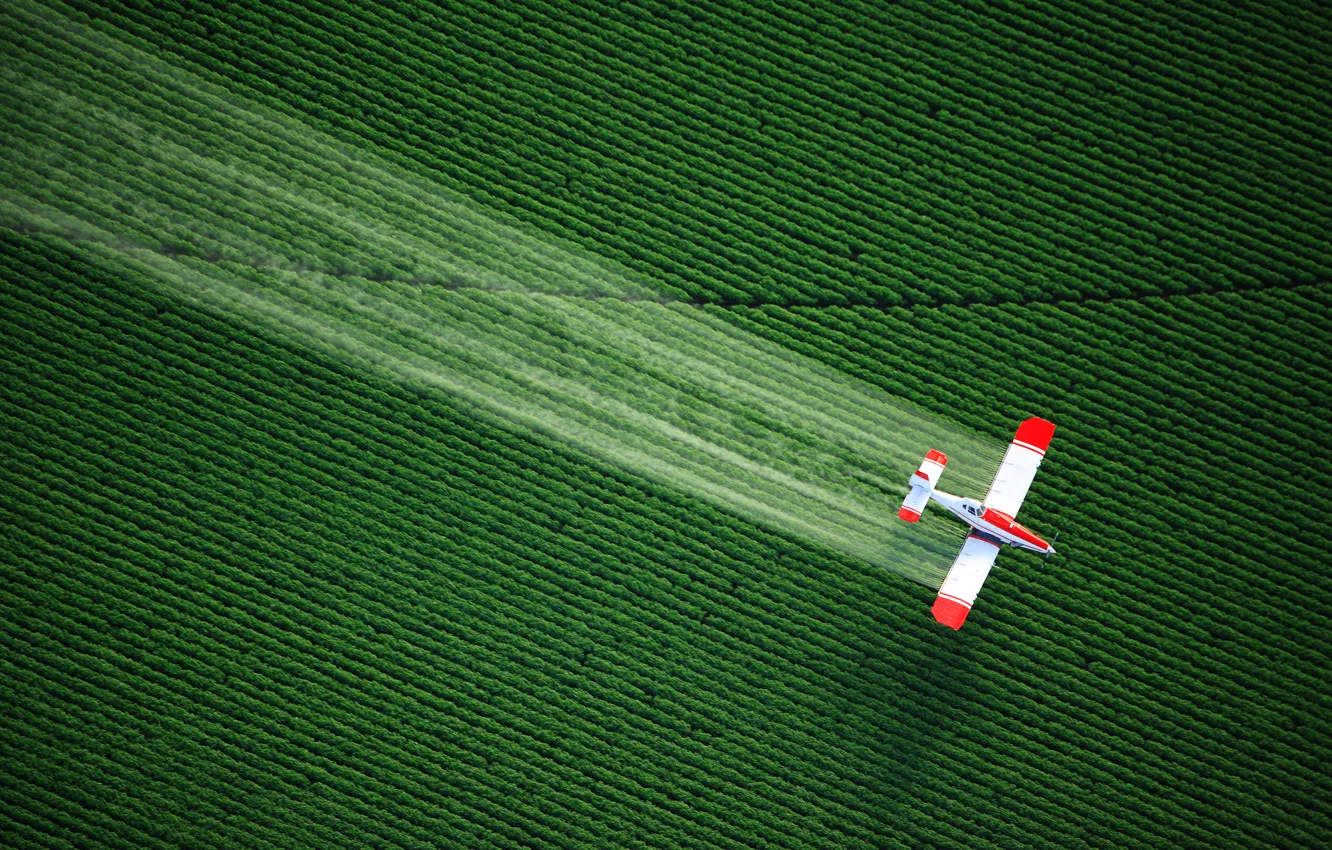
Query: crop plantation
{"type": "Point", "coordinates": [473, 425]}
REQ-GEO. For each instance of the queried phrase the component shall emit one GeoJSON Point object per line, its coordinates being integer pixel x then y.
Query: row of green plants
{"type": "Point", "coordinates": [1193, 590]}
{"type": "Point", "coordinates": [318, 466]}
{"type": "Point", "coordinates": [602, 650]}
{"type": "Point", "coordinates": [242, 187]}
{"type": "Point", "coordinates": [1041, 228]}
{"type": "Point", "coordinates": [218, 524]}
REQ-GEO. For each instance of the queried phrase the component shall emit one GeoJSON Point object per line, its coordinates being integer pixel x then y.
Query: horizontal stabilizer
{"type": "Point", "coordinates": [922, 483]}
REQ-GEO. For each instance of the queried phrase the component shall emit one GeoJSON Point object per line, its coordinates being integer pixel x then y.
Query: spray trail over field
{"type": "Point", "coordinates": [160, 170]}
{"type": "Point", "coordinates": [169, 161]}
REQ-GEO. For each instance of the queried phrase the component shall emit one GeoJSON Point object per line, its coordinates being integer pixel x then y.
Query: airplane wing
{"type": "Point", "coordinates": [1019, 467]}
{"type": "Point", "coordinates": [965, 578]}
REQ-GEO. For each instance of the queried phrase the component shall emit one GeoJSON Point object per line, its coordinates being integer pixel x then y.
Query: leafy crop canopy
{"type": "Point", "coordinates": [475, 426]}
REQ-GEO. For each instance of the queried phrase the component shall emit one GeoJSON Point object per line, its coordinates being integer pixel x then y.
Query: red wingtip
{"type": "Point", "coordinates": [950, 612]}
{"type": "Point", "coordinates": [908, 514]}
{"type": "Point", "coordinates": [938, 457]}
{"type": "Point", "coordinates": [1036, 432]}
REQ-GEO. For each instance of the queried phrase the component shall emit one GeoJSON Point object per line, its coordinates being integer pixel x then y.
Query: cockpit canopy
{"type": "Point", "coordinates": [973, 507]}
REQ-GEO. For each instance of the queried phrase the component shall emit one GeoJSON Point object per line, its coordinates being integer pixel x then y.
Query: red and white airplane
{"type": "Point", "coordinates": [991, 521]}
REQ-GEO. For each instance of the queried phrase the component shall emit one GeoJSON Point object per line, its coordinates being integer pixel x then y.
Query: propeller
{"type": "Point", "coordinates": [1052, 543]}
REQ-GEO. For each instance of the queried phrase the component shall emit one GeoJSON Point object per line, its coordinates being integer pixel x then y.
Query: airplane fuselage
{"type": "Point", "coordinates": [996, 524]}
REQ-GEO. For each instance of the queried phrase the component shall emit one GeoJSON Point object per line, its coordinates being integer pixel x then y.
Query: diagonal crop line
{"type": "Point", "coordinates": [495, 358]}
{"type": "Point", "coordinates": [48, 228]}
{"type": "Point", "coordinates": [455, 283]}
{"type": "Point", "coordinates": [223, 204]}
{"type": "Point", "coordinates": [662, 390]}
{"type": "Point", "coordinates": [157, 155]}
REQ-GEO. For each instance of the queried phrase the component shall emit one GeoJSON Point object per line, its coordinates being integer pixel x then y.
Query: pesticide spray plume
{"type": "Point", "coordinates": [539, 333]}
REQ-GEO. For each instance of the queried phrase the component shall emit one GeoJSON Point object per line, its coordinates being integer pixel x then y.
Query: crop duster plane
{"type": "Point", "coordinates": [991, 521]}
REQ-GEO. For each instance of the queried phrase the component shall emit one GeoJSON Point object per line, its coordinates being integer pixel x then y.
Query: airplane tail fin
{"type": "Point", "coordinates": [922, 483]}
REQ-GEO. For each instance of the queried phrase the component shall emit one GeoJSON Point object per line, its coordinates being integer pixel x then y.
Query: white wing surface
{"type": "Point", "coordinates": [1018, 469]}
{"type": "Point", "coordinates": [965, 578]}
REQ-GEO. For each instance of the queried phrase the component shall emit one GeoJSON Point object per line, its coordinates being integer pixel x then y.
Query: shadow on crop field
{"type": "Point", "coordinates": [917, 675]}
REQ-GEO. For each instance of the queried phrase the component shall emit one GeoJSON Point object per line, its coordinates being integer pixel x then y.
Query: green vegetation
{"type": "Point", "coordinates": [473, 428]}
{"type": "Point", "coordinates": [580, 352]}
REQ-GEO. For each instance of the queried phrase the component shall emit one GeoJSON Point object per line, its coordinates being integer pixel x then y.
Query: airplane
{"type": "Point", "coordinates": [991, 521]}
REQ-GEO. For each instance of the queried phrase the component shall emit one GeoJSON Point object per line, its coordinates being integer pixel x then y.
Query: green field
{"type": "Point", "coordinates": [454, 426]}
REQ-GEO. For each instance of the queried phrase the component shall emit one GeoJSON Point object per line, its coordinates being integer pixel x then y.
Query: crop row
{"type": "Point", "coordinates": [399, 621]}
{"type": "Point", "coordinates": [137, 510]}
{"type": "Point", "coordinates": [702, 241]}
{"type": "Point", "coordinates": [526, 513]}
{"type": "Point", "coordinates": [1235, 593]}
